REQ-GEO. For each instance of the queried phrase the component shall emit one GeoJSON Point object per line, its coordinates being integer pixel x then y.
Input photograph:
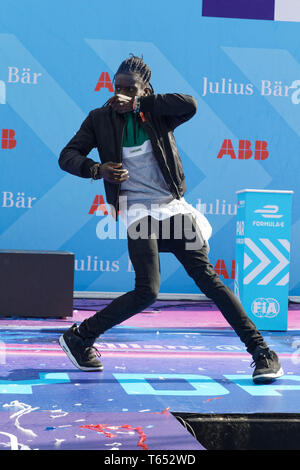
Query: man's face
{"type": "Point", "coordinates": [129, 84]}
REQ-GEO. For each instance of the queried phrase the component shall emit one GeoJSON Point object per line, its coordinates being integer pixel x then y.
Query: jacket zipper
{"type": "Point", "coordinates": [119, 185]}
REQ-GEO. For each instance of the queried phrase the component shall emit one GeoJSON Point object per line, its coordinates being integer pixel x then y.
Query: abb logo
{"type": "Point", "coordinates": [8, 140]}
{"type": "Point", "coordinates": [104, 82]}
{"type": "Point", "coordinates": [245, 150]}
{"type": "Point", "coordinates": [98, 205]}
{"type": "Point", "coordinates": [220, 268]}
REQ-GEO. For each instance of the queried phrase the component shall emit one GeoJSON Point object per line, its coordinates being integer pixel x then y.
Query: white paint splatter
{"type": "Point", "coordinates": [60, 415]}
{"type": "Point", "coordinates": [25, 409]}
{"type": "Point", "coordinates": [6, 444]}
{"type": "Point", "coordinates": [58, 442]}
{"type": "Point", "coordinates": [24, 447]}
{"type": "Point", "coordinates": [13, 441]}
{"type": "Point", "coordinates": [13, 444]}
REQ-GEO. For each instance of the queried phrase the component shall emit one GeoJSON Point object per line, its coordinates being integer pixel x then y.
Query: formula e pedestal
{"type": "Point", "coordinates": [263, 256]}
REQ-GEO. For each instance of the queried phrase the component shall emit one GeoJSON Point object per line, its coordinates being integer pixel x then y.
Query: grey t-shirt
{"type": "Point", "coordinates": [146, 183]}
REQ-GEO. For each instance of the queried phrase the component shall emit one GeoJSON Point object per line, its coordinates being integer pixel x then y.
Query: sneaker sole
{"type": "Point", "coordinates": [267, 378]}
{"type": "Point", "coordinates": [73, 360]}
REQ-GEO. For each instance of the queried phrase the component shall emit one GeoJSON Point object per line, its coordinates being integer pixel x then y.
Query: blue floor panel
{"type": "Point", "coordinates": [148, 374]}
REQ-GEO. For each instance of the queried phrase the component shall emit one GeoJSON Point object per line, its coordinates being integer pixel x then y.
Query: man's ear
{"type": "Point", "coordinates": [147, 91]}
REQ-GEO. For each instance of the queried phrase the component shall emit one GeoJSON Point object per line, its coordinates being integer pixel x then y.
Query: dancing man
{"type": "Point", "coordinates": [145, 184]}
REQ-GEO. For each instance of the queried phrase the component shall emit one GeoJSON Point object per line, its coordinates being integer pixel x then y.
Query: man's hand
{"type": "Point", "coordinates": [111, 172]}
{"type": "Point", "coordinates": [121, 103]}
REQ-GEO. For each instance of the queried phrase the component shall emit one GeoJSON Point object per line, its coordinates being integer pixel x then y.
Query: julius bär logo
{"type": "Point", "coordinates": [245, 150]}
{"type": "Point", "coordinates": [265, 308]}
{"type": "Point", "coordinates": [268, 88]}
{"type": "Point", "coordinates": [18, 200]}
{"type": "Point", "coordinates": [25, 76]}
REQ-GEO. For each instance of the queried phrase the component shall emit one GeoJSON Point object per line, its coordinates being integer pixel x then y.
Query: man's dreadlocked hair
{"type": "Point", "coordinates": [136, 65]}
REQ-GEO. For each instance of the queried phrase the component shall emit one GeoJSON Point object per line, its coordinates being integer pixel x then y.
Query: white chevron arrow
{"type": "Point", "coordinates": [284, 281]}
{"type": "Point", "coordinates": [247, 260]}
{"type": "Point", "coordinates": [286, 278]}
{"type": "Point", "coordinates": [282, 262]}
{"type": "Point", "coordinates": [264, 261]}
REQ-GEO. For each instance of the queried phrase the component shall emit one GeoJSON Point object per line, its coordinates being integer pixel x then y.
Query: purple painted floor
{"type": "Point", "coordinates": [174, 357]}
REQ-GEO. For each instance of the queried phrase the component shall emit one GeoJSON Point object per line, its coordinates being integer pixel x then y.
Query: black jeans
{"type": "Point", "coordinates": [180, 236]}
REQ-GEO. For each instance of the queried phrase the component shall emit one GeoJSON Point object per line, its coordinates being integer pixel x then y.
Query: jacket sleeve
{"type": "Point", "coordinates": [73, 157]}
{"type": "Point", "coordinates": [176, 108]}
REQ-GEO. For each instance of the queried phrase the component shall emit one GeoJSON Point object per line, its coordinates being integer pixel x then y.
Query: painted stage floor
{"type": "Point", "coordinates": [173, 358]}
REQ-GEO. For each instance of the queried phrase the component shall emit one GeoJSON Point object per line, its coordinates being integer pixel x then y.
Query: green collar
{"type": "Point", "coordinates": [134, 134]}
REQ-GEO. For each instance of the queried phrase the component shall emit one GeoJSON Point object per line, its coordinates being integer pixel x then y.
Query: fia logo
{"type": "Point", "coordinates": [265, 308]}
{"type": "Point", "coordinates": [269, 212]}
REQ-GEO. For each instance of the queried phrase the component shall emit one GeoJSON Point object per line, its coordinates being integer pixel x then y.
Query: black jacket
{"type": "Point", "coordinates": [103, 129]}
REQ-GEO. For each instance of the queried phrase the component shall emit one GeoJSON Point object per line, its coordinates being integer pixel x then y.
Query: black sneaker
{"type": "Point", "coordinates": [267, 366]}
{"type": "Point", "coordinates": [80, 351]}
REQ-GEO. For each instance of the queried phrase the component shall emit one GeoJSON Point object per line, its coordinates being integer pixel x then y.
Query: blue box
{"type": "Point", "coordinates": [263, 256]}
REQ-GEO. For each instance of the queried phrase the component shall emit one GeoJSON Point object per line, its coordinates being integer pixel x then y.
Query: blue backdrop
{"type": "Point", "coordinates": [244, 72]}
